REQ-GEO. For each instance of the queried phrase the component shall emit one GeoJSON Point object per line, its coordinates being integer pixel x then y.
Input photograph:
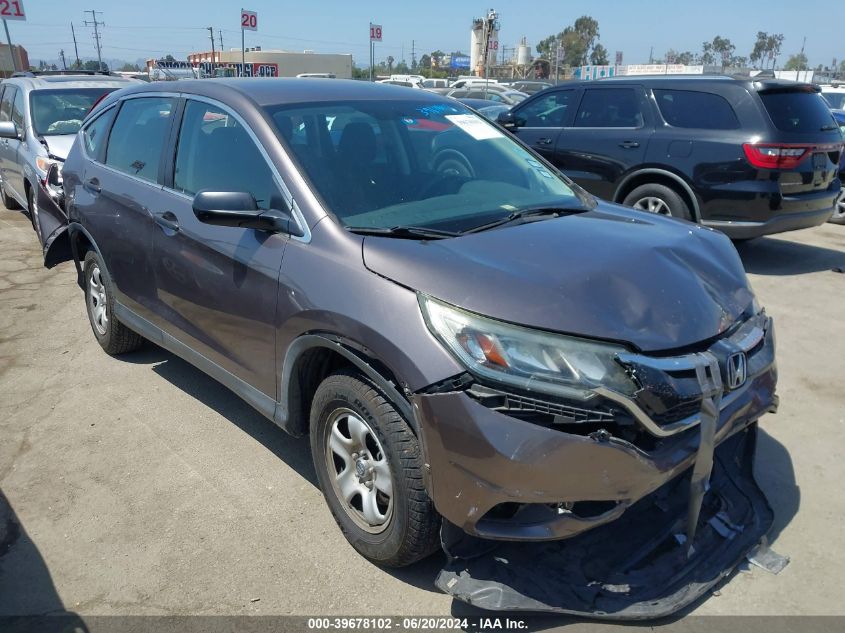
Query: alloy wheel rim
{"type": "Point", "coordinates": [359, 471]}
{"type": "Point", "coordinates": [653, 204]}
{"type": "Point", "coordinates": [97, 301]}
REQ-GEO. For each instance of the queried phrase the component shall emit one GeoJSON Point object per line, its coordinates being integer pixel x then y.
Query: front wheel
{"type": "Point", "coordinates": [369, 466]}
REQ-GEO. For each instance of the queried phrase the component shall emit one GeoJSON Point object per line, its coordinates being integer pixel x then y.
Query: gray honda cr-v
{"type": "Point", "coordinates": [560, 392]}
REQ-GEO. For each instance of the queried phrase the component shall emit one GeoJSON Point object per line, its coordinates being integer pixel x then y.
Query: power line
{"type": "Point", "coordinates": [96, 24]}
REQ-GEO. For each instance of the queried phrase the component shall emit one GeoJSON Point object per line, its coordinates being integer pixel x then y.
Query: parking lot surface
{"type": "Point", "coordinates": [138, 485]}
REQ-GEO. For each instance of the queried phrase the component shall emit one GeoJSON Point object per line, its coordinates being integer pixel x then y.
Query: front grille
{"type": "Point", "coordinates": [677, 413]}
{"type": "Point", "coordinates": [564, 413]}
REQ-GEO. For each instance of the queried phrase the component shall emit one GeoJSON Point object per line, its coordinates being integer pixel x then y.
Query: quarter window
{"type": "Point", "coordinates": [216, 153]}
{"type": "Point", "coordinates": [6, 103]}
{"type": "Point", "coordinates": [693, 109]}
{"type": "Point", "coordinates": [547, 111]}
{"type": "Point", "coordinates": [17, 110]}
{"type": "Point", "coordinates": [138, 136]}
{"type": "Point", "coordinates": [95, 134]}
{"type": "Point", "coordinates": [609, 107]}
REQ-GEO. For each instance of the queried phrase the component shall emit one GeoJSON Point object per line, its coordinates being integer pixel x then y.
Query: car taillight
{"type": "Point", "coordinates": [769, 156]}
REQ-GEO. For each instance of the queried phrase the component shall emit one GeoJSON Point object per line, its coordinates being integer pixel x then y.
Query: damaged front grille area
{"type": "Point", "coordinates": [522, 406]}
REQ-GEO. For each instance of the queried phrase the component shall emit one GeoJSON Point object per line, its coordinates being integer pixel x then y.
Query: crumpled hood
{"type": "Point", "coordinates": [611, 273]}
{"type": "Point", "coordinates": [59, 145]}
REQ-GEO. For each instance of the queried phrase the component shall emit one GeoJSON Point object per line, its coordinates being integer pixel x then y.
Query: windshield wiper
{"type": "Point", "coordinates": [829, 128]}
{"type": "Point", "coordinates": [524, 214]}
{"type": "Point", "coordinates": [403, 231]}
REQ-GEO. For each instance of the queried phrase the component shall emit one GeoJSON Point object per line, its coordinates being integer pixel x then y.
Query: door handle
{"type": "Point", "coordinates": [543, 141]}
{"type": "Point", "coordinates": [167, 220]}
{"type": "Point", "coordinates": [93, 185]}
{"type": "Point", "coordinates": [629, 144]}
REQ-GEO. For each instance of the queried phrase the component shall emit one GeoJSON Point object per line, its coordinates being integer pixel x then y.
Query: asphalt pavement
{"type": "Point", "coordinates": [138, 485]}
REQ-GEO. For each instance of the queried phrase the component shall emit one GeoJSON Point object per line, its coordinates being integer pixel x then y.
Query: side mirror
{"type": "Point", "coordinates": [509, 121]}
{"type": "Point", "coordinates": [9, 130]}
{"type": "Point", "coordinates": [239, 209]}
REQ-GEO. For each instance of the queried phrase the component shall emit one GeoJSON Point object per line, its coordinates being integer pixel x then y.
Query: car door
{"type": "Point", "coordinates": [14, 168]}
{"type": "Point", "coordinates": [607, 138]}
{"type": "Point", "coordinates": [217, 286]}
{"type": "Point", "coordinates": [541, 119]}
{"type": "Point", "coordinates": [8, 150]}
{"type": "Point", "coordinates": [118, 192]}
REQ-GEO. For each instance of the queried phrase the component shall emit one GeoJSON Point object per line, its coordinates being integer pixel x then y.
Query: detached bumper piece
{"type": "Point", "coordinates": [637, 567]}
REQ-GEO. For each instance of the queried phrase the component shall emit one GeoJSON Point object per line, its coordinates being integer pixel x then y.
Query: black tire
{"type": "Point", "coordinates": [8, 201]}
{"type": "Point", "coordinates": [114, 337]}
{"type": "Point", "coordinates": [677, 208]}
{"type": "Point", "coordinates": [838, 216]}
{"type": "Point", "coordinates": [412, 531]}
{"type": "Point", "coordinates": [30, 209]}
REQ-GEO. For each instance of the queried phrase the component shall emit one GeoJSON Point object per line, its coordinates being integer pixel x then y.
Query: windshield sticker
{"type": "Point", "coordinates": [538, 167]}
{"type": "Point", "coordinates": [475, 127]}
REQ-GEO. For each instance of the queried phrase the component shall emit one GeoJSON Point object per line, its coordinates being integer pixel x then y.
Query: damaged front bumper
{"type": "Point", "coordinates": [624, 511]}
{"type": "Point", "coordinates": [633, 568]}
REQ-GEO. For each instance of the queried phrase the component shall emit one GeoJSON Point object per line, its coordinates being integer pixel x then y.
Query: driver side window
{"type": "Point", "coordinates": [548, 111]}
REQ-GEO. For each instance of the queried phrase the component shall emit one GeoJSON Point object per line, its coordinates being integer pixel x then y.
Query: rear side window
{"type": "Point", "coordinates": [6, 103]}
{"type": "Point", "coordinates": [609, 107]}
{"type": "Point", "coordinates": [216, 153]}
{"type": "Point", "coordinates": [138, 136]}
{"type": "Point", "coordinates": [94, 135]}
{"type": "Point", "coordinates": [693, 109]}
{"type": "Point", "coordinates": [797, 111]}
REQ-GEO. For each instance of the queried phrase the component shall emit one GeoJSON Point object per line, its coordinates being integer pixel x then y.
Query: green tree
{"type": "Point", "coordinates": [599, 56]}
{"type": "Point", "coordinates": [425, 62]}
{"type": "Point", "coordinates": [93, 65]}
{"type": "Point", "coordinates": [390, 61]}
{"type": "Point", "coordinates": [674, 57]}
{"type": "Point", "coordinates": [796, 62]}
{"type": "Point", "coordinates": [437, 58]}
{"type": "Point", "coordinates": [129, 68]}
{"type": "Point", "coordinates": [579, 43]}
{"type": "Point", "coordinates": [765, 47]}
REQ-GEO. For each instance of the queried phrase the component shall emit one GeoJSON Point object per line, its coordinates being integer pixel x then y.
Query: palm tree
{"type": "Point", "coordinates": [390, 61]}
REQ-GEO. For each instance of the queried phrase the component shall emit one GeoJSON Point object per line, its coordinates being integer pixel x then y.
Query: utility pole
{"type": "Point", "coordinates": [413, 55]}
{"type": "Point", "coordinates": [213, 56]}
{"type": "Point", "coordinates": [96, 24]}
{"type": "Point", "coordinates": [651, 55]}
{"type": "Point", "coordinates": [62, 55]}
{"type": "Point", "coordinates": [220, 33]}
{"type": "Point", "coordinates": [75, 47]}
{"type": "Point", "coordinates": [11, 49]}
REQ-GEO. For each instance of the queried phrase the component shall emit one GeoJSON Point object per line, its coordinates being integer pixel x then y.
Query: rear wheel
{"type": "Point", "coordinates": [114, 337]}
{"type": "Point", "coordinates": [8, 201]}
{"type": "Point", "coordinates": [658, 199]}
{"type": "Point", "coordinates": [838, 216]}
{"type": "Point", "coordinates": [369, 466]}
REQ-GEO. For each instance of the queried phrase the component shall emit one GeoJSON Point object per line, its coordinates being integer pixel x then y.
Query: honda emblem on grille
{"type": "Point", "coordinates": [737, 370]}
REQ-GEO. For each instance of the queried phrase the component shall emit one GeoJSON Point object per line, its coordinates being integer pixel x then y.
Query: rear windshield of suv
{"type": "Point", "coordinates": [57, 112]}
{"type": "Point", "coordinates": [798, 111]}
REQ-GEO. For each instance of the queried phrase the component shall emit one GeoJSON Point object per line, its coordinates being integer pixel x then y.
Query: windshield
{"type": "Point", "coordinates": [835, 99]}
{"type": "Point", "coordinates": [57, 112]}
{"type": "Point", "coordinates": [382, 164]}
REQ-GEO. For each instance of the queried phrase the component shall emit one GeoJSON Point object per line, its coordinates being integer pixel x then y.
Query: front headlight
{"type": "Point", "coordinates": [530, 359]}
{"type": "Point", "coordinates": [43, 163]}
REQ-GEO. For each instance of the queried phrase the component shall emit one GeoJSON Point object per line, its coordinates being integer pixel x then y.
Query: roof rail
{"type": "Point", "coordinates": [41, 73]}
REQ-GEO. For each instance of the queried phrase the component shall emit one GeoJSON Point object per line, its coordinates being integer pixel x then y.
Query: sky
{"type": "Point", "coordinates": [154, 28]}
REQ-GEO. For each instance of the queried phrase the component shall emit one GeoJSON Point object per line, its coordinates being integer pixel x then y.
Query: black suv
{"type": "Point", "coordinates": [746, 157]}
